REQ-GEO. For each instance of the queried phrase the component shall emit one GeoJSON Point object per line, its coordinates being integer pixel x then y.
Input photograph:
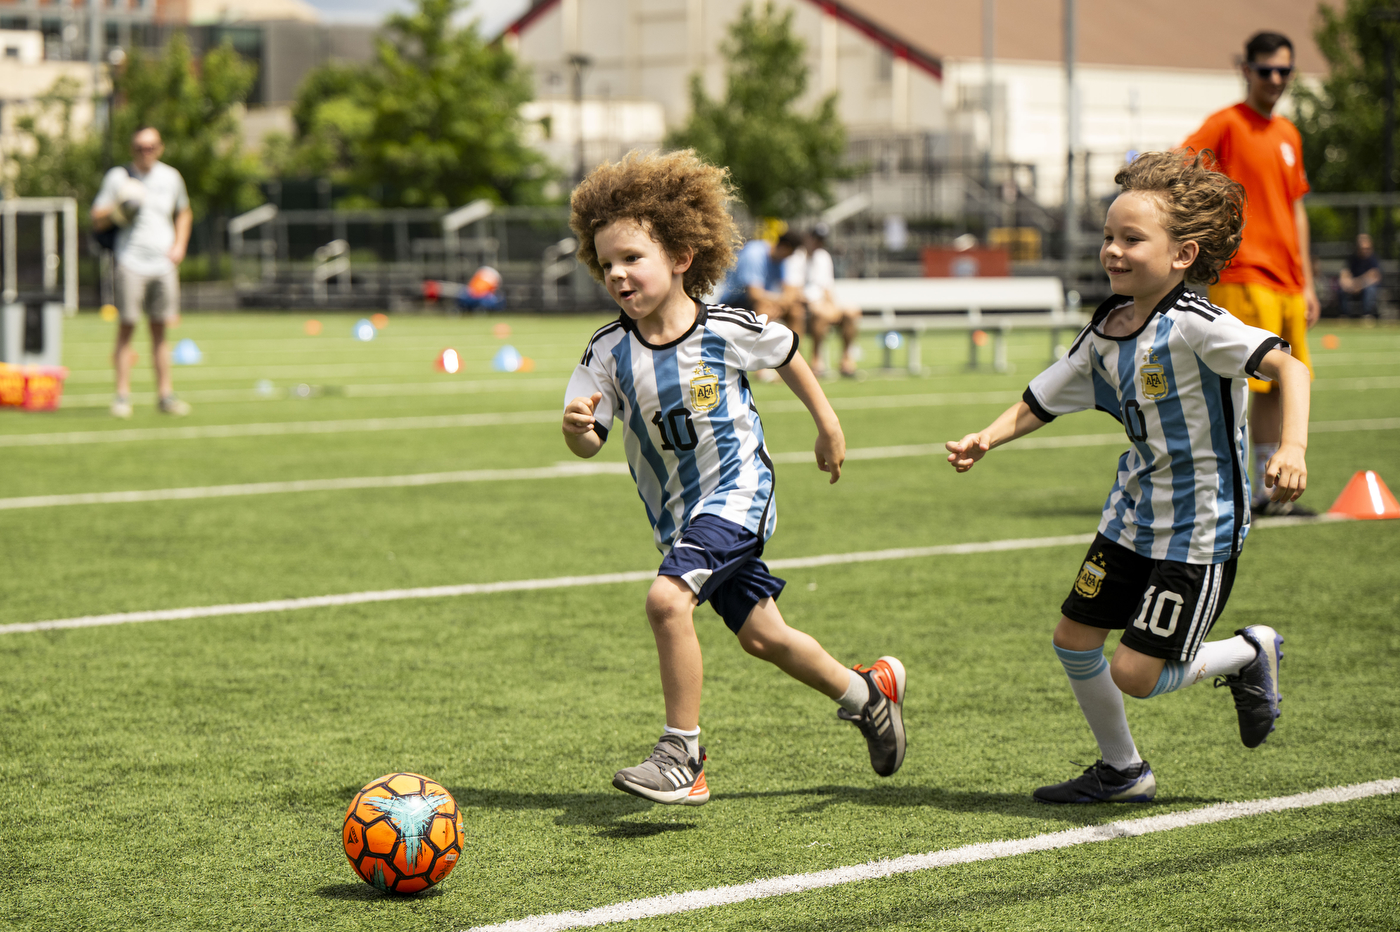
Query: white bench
{"type": "Point", "coordinates": [911, 306]}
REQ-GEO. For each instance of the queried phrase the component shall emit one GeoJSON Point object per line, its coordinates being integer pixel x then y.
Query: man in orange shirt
{"type": "Point", "coordinates": [1269, 283]}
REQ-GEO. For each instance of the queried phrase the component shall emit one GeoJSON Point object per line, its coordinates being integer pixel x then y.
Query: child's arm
{"type": "Point", "coordinates": [831, 443]}
{"type": "Point", "coordinates": [1286, 472]}
{"type": "Point", "coordinates": [1015, 421]}
{"type": "Point", "coordinates": [579, 434]}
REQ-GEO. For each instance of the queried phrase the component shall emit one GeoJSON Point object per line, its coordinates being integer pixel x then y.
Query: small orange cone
{"type": "Point", "coordinates": [1366, 497]}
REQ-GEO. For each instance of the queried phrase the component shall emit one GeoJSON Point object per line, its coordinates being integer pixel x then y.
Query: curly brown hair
{"type": "Point", "coordinates": [682, 203]}
{"type": "Point", "coordinates": [1197, 202]}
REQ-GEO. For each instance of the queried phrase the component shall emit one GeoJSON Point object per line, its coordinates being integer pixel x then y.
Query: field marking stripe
{"type": "Point", "coordinates": [408, 389]}
{"type": "Point", "coordinates": [520, 585]}
{"type": "Point", "coordinates": [566, 582]}
{"type": "Point", "coordinates": [279, 428]}
{"type": "Point", "coordinates": [673, 903]}
{"type": "Point", "coordinates": [557, 471]}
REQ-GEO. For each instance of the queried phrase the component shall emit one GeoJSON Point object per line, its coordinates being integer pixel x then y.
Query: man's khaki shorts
{"type": "Point", "coordinates": [1278, 312]}
{"type": "Point", "coordinates": [158, 296]}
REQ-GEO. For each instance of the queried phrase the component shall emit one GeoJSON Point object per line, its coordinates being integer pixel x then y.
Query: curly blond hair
{"type": "Point", "coordinates": [682, 203]}
{"type": "Point", "coordinates": [1197, 202]}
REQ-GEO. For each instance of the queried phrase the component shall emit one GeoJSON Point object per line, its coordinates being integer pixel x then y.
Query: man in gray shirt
{"type": "Point", "coordinates": [154, 231]}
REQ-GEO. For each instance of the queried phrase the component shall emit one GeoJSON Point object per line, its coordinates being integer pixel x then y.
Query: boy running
{"type": "Point", "coordinates": [656, 231]}
{"type": "Point", "coordinates": [1171, 368]}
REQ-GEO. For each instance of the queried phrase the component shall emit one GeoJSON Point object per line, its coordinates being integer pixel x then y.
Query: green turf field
{"type": "Point", "coordinates": [192, 774]}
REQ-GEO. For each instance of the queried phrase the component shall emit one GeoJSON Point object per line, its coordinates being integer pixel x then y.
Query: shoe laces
{"type": "Point", "coordinates": [1242, 691]}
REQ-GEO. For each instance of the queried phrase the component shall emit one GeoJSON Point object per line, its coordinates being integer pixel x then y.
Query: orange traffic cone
{"type": "Point", "coordinates": [1366, 497]}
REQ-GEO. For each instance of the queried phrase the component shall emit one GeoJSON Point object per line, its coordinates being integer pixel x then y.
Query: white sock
{"type": "Point", "coordinates": [1263, 452]}
{"type": "Point", "coordinates": [691, 739]}
{"type": "Point", "coordinates": [857, 694]}
{"type": "Point", "coordinates": [1102, 705]}
{"type": "Point", "coordinates": [1215, 658]}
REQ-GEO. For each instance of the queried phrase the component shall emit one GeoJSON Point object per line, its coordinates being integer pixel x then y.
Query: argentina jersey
{"type": "Point", "coordinates": [692, 435]}
{"type": "Point", "coordinates": [1177, 387]}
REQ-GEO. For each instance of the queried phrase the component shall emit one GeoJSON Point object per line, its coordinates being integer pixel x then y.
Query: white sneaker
{"type": "Point", "coordinates": [121, 408]}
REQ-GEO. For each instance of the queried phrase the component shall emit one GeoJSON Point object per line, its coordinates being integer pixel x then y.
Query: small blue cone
{"type": "Point", "coordinates": [507, 359]}
{"type": "Point", "coordinates": [364, 330]}
{"type": "Point", "coordinates": [186, 353]}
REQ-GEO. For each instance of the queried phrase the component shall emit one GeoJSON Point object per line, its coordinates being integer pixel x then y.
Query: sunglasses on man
{"type": "Point", "coordinates": [1266, 71]}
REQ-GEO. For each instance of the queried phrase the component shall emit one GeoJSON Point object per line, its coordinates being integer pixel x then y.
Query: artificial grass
{"type": "Point", "coordinates": [192, 774]}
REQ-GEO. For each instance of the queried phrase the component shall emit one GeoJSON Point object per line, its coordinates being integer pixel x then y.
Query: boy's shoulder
{"type": "Point", "coordinates": [605, 336]}
{"type": "Point", "coordinates": [717, 316]}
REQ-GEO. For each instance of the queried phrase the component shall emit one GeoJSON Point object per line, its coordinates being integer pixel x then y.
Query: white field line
{"type": "Point", "coordinates": [525, 585]}
{"type": "Point", "coordinates": [281, 428]}
{"type": "Point", "coordinates": [452, 387]}
{"type": "Point", "coordinates": [673, 903]}
{"type": "Point", "coordinates": [557, 471]}
{"type": "Point", "coordinates": [567, 582]}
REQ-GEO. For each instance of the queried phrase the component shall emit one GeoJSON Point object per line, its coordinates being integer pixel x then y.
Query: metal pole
{"type": "Point", "coordinates": [1071, 141]}
{"type": "Point", "coordinates": [988, 50]}
{"type": "Point", "coordinates": [1388, 178]}
{"type": "Point", "coordinates": [579, 63]}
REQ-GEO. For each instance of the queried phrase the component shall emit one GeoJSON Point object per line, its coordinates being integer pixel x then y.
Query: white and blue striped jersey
{"type": "Point", "coordinates": [693, 437]}
{"type": "Point", "coordinates": [1177, 387]}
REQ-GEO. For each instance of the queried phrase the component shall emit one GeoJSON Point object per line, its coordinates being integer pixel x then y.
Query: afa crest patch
{"type": "Point", "coordinates": [1154, 378]}
{"type": "Point", "coordinates": [704, 389]}
{"type": "Point", "coordinates": [1091, 576]}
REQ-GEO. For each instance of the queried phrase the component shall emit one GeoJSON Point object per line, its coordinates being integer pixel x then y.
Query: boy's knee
{"type": "Point", "coordinates": [1134, 677]}
{"type": "Point", "coordinates": [668, 600]}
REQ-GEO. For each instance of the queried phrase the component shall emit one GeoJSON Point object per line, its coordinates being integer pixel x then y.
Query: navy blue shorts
{"type": "Point", "coordinates": [719, 561]}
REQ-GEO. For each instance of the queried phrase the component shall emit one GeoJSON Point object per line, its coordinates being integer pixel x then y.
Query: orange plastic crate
{"type": "Point", "coordinates": [33, 388]}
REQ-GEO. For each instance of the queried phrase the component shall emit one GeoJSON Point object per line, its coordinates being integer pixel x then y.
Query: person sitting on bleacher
{"type": "Point", "coordinates": [823, 309]}
{"type": "Point", "coordinates": [1360, 282]}
{"type": "Point", "coordinates": [756, 282]}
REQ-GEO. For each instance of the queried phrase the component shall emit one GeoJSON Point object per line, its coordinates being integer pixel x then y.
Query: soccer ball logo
{"type": "Point", "coordinates": [402, 833]}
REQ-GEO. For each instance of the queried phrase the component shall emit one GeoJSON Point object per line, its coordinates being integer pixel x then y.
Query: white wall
{"type": "Point", "coordinates": [1121, 109]}
{"type": "Point", "coordinates": [647, 49]}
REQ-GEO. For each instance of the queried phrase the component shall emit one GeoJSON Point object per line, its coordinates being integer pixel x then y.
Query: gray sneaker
{"type": "Point", "coordinates": [1101, 783]}
{"type": "Point", "coordinates": [1255, 687]}
{"type": "Point", "coordinates": [669, 775]}
{"type": "Point", "coordinates": [882, 719]}
{"type": "Point", "coordinates": [174, 406]}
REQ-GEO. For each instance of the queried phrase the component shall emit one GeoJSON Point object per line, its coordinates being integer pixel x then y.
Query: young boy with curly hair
{"type": "Point", "coordinates": [656, 231]}
{"type": "Point", "coordinates": [1172, 368]}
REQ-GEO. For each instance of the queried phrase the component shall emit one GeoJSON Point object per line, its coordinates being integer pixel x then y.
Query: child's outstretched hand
{"type": "Point", "coordinates": [831, 453]}
{"type": "Point", "coordinates": [964, 453]}
{"type": "Point", "coordinates": [1286, 473]}
{"type": "Point", "coordinates": [578, 416]}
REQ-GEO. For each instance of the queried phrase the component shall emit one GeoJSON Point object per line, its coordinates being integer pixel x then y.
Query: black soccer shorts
{"type": "Point", "coordinates": [1164, 608]}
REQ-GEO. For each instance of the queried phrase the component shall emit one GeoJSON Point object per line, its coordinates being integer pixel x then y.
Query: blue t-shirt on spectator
{"type": "Point", "coordinates": [755, 267]}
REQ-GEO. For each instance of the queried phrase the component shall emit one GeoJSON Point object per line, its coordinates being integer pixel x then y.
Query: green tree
{"type": "Point", "coordinates": [1342, 121]}
{"type": "Point", "coordinates": [781, 161]}
{"type": "Point", "coordinates": [61, 158]}
{"type": "Point", "coordinates": [195, 109]}
{"type": "Point", "coordinates": [432, 122]}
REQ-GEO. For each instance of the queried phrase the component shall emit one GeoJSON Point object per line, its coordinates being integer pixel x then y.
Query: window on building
{"type": "Point", "coordinates": [884, 65]}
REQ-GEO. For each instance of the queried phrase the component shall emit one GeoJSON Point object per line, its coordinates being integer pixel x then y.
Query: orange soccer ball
{"type": "Point", "coordinates": [403, 833]}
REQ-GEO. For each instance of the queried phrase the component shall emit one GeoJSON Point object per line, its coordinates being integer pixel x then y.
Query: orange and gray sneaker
{"type": "Point", "coordinates": [669, 775]}
{"type": "Point", "coordinates": [882, 718]}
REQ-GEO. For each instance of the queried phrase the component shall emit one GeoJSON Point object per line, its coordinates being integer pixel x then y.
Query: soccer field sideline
{"type": "Point", "coordinates": [689, 901]}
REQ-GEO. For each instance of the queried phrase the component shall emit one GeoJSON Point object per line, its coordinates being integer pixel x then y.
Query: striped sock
{"type": "Point", "coordinates": [1102, 705]}
{"type": "Point", "coordinates": [1215, 658]}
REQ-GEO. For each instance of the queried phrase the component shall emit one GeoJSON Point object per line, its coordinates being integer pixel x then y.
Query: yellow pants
{"type": "Point", "coordinates": [1278, 312]}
